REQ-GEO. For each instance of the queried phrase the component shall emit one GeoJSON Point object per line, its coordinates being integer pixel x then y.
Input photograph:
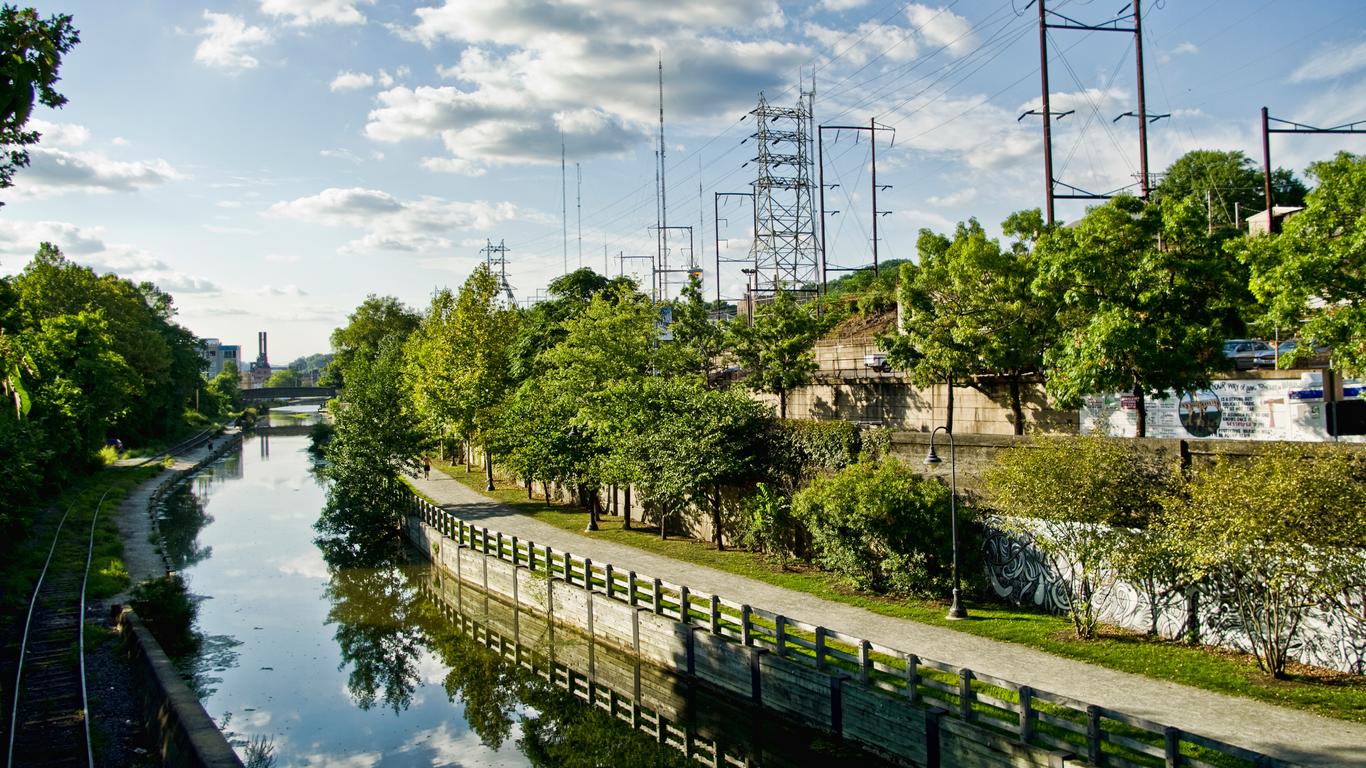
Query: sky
{"type": "Point", "coordinates": [270, 163]}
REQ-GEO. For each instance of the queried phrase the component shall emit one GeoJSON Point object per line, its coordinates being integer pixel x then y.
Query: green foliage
{"type": "Point", "coordinates": [768, 525]}
{"type": "Point", "coordinates": [1077, 499]}
{"type": "Point", "coordinates": [1224, 182]}
{"type": "Point", "coordinates": [697, 339]}
{"type": "Point", "coordinates": [1145, 299]}
{"type": "Point", "coordinates": [376, 319]}
{"type": "Point", "coordinates": [1314, 272]}
{"type": "Point", "coordinates": [800, 449]}
{"type": "Point", "coordinates": [283, 377]}
{"type": "Point", "coordinates": [969, 311]}
{"type": "Point", "coordinates": [31, 51]}
{"type": "Point", "coordinates": [882, 527]}
{"type": "Point", "coordinates": [1277, 535]}
{"type": "Point", "coordinates": [223, 394]}
{"type": "Point", "coordinates": [319, 435]}
{"type": "Point", "coordinates": [167, 608]}
{"type": "Point", "coordinates": [775, 352]}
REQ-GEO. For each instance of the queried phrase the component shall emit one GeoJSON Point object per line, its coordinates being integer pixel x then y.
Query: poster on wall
{"type": "Point", "coordinates": [1230, 409]}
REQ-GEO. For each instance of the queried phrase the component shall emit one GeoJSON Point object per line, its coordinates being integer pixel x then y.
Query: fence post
{"type": "Point", "coordinates": [780, 634]}
{"type": "Point", "coordinates": [498, 540]}
{"type": "Point", "coordinates": [549, 562]}
{"type": "Point", "coordinates": [865, 661]}
{"type": "Point", "coordinates": [631, 590]}
{"type": "Point", "coordinates": [715, 615]}
{"type": "Point", "coordinates": [516, 556]}
{"type": "Point", "coordinates": [588, 573]}
{"type": "Point", "coordinates": [820, 648]}
{"type": "Point", "coordinates": [607, 569]}
{"type": "Point", "coordinates": [1172, 746]}
{"type": "Point", "coordinates": [912, 677]}
{"type": "Point", "coordinates": [745, 611]}
{"type": "Point", "coordinates": [1026, 714]}
{"type": "Point", "coordinates": [1093, 734]}
{"type": "Point", "coordinates": [684, 606]}
{"type": "Point", "coordinates": [658, 594]}
{"type": "Point", "coordinates": [965, 694]}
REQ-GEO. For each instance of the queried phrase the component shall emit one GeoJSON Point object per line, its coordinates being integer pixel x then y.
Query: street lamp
{"type": "Point", "coordinates": [750, 279]}
{"type": "Point", "coordinates": [956, 610]}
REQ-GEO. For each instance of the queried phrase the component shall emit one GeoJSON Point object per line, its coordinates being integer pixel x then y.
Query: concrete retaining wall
{"type": "Point", "coordinates": [185, 735]}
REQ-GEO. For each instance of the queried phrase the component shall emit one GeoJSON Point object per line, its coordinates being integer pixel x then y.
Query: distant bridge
{"type": "Point", "coordinates": [288, 393]}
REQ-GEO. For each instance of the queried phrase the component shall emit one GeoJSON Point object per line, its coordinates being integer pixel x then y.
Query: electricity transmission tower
{"type": "Point", "coordinates": [1357, 126]}
{"type": "Point", "coordinates": [495, 256]}
{"type": "Point", "coordinates": [785, 246]}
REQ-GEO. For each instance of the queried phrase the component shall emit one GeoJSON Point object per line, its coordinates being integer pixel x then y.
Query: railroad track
{"type": "Point", "coordinates": [48, 724]}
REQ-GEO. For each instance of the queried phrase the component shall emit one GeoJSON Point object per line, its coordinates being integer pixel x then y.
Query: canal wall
{"type": "Point", "coordinates": [185, 735]}
{"type": "Point", "coordinates": [907, 707]}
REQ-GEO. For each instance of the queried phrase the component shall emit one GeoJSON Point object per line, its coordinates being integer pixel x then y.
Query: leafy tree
{"type": "Point", "coordinates": [1076, 499]}
{"type": "Point", "coordinates": [882, 526]}
{"type": "Point", "coordinates": [31, 51]}
{"type": "Point", "coordinates": [775, 351]}
{"type": "Point", "coordinates": [283, 377]}
{"type": "Point", "coordinates": [1228, 186]}
{"type": "Point", "coordinates": [696, 337]}
{"type": "Point", "coordinates": [1277, 547]}
{"type": "Point", "coordinates": [374, 320]}
{"type": "Point", "coordinates": [226, 388]}
{"type": "Point", "coordinates": [1314, 272]}
{"type": "Point", "coordinates": [482, 329]}
{"type": "Point", "coordinates": [969, 312]}
{"type": "Point", "coordinates": [1145, 298]}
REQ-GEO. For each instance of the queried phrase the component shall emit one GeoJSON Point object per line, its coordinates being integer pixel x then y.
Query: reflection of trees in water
{"type": "Point", "coordinates": [181, 519]}
{"type": "Point", "coordinates": [377, 634]}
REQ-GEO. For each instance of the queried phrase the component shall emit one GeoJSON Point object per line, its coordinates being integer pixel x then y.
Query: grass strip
{"type": "Point", "coordinates": [1331, 694]}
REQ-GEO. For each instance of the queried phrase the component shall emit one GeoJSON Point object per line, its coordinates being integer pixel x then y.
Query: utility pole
{"type": "Point", "coordinates": [716, 221]}
{"type": "Point", "coordinates": [786, 251]}
{"type": "Point", "coordinates": [564, 209]}
{"type": "Point", "coordinates": [872, 128]}
{"type": "Point", "coordinates": [578, 205]}
{"type": "Point", "coordinates": [663, 181]}
{"type": "Point", "coordinates": [1356, 126]}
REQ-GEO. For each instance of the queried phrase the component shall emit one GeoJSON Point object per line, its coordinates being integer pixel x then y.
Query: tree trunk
{"type": "Point", "coordinates": [1016, 408]}
{"type": "Point", "coordinates": [528, 488]}
{"type": "Point", "coordinates": [488, 470]}
{"type": "Point", "coordinates": [716, 520]}
{"type": "Point", "coordinates": [1142, 404]}
{"type": "Point", "coordinates": [468, 450]}
{"type": "Point", "coordinates": [948, 417]}
{"type": "Point", "coordinates": [591, 496]}
{"type": "Point", "coordinates": [626, 509]}
{"type": "Point", "coordinates": [614, 504]}
{"type": "Point", "coordinates": [663, 517]}
{"type": "Point", "coordinates": [782, 404]}
{"type": "Point", "coordinates": [546, 485]}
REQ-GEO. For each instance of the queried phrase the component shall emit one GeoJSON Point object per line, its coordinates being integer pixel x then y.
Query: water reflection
{"type": "Point", "coordinates": [180, 517]}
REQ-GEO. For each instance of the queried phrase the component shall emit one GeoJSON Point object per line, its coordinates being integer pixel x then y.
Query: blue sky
{"type": "Point", "coordinates": [272, 162]}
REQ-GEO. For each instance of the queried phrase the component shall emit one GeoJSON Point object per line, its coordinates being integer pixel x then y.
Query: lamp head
{"type": "Point", "coordinates": [932, 457]}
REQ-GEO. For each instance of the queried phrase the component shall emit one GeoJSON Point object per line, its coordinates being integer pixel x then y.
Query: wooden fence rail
{"type": "Point", "coordinates": [1105, 737]}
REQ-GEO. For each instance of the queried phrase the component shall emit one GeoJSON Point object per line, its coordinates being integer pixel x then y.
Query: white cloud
{"type": "Point", "coordinates": [307, 13]}
{"type": "Point", "coordinates": [842, 5]}
{"type": "Point", "coordinates": [958, 197]}
{"type": "Point", "coordinates": [227, 40]}
{"type": "Point", "coordinates": [389, 224]}
{"type": "Point", "coordinates": [19, 240]}
{"type": "Point", "coordinates": [525, 67]}
{"type": "Point", "coordinates": [353, 81]}
{"type": "Point", "coordinates": [889, 42]}
{"type": "Point", "coordinates": [1185, 48]}
{"type": "Point", "coordinates": [1331, 62]}
{"type": "Point", "coordinates": [291, 290]}
{"type": "Point", "coordinates": [60, 134]}
{"type": "Point", "coordinates": [55, 171]}
{"type": "Point", "coordinates": [942, 28]}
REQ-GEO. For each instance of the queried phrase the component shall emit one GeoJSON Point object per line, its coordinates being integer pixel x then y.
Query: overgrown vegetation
{"type": "Point", "coordinates": [167, 608]}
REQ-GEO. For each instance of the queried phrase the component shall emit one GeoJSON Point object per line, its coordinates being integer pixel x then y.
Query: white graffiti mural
{"type": "Point", "coordinates": [1329, 636]}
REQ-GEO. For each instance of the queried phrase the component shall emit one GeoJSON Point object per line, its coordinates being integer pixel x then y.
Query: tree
{"type": "Point", "coordinates": [1226, 185]}
{"type": "Point", "coordinates": [31, 51]}
{"type": "Point", "coordinates": [1277, 547]}
{"type": "Point", "coordinates": [283, 377]}
{"type": "Point", "coordinates": [1145, 298]}
{"type": "Point", "coordinates": [1312, 276]}
{"type": "Point", "coordinates": [1075, 498]}
{"type": "Point", "coordinates": [374, 320]}
{"type": "Point", "coordinates": [969, 312]}
{"type": "Point", "coordinates": [775, 352]}
{"type": "Point", "coordinates": [697, 339]}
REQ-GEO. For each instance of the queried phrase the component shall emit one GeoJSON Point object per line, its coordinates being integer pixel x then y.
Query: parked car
{"type": "Point", "coordinates": [1247, 354]}
{"type": "Point", "coordinates": [1287, 348]}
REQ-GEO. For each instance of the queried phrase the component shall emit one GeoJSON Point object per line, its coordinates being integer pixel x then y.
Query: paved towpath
{"type": "Point", "coordinates": [1284, 733]}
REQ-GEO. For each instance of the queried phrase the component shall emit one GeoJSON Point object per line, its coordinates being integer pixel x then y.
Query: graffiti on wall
{"type": "Point", "coordinates": [1329, 637]}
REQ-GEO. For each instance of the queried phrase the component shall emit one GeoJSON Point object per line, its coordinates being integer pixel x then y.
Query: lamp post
{"type": "Point", "coordinates": [750, 279]}
{"type": "Point", "coordinates": [956, 610]}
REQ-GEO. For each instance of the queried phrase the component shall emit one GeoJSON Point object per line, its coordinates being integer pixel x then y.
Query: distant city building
{"type": "Point", "coordinates": [216, 354]}
{"type": "Point", "coordinates": [255, 376]}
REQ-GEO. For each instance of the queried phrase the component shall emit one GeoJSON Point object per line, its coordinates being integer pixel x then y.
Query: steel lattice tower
{"type": "Point", "coordinates": [785, 245]}
{"type": "Point", "coordinates": [495, 256]}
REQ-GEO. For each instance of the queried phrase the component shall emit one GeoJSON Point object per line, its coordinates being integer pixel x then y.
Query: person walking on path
{"type": "Point", "coordinates": [426, 467]}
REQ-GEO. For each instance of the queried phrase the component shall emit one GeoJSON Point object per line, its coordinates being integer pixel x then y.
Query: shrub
{"type": "Point", "coordinates": [1078, 500]}
{"type": "Point", "coordinates": [802, 449]}
{"type": "Point", "coordinates": [1277, 535]}
{"type": "Point", "coordinates": [319, 435]}
{"type": "Point", "coordinates": [168, 610]}
{"type": "Point", "coordinates": [882, 527]}
{"type": "Point", "coordinates": [768, 525]}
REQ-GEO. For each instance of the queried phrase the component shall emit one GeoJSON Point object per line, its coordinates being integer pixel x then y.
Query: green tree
{"type": "Point", "coordinates": [1077, 499]}
{"type": "Point", "coordinates": [969, 311]}
{"type": "Point", "coordinates": [1277, 547]}
{"type": "Point", "coordinates": [226, 387]}
{"type": "Point", "coordinates": [374, 320]}
{"type": "Point", "coordinates": [283, 377]}
{"type": "Point", "coordinates": [1312, 276]}
{"type": "Point", "coordinates": [1145, 298]}
{"type": "Point", "coordinates": [696, 337]}
{"type": "Point", "coordinates": [31, 51]}
{"type": "Point", "coordinates": [1226, 185]}
{"type": "Point", "coordinates": [775, 352]}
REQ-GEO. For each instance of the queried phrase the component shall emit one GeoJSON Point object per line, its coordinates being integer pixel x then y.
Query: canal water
{"type": "Point", "coordinates": [392, 665]}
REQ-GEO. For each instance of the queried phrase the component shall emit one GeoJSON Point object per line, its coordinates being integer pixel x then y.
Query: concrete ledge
{"type": "Point", "coordinates": [185, 735]}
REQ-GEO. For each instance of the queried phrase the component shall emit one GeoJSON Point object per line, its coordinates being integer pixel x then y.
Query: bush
{"type": "Point", "coordinates": [167, 609]}
{"type": "Point", "coordinates": [768, 525]}
{"type": "Point", "coordinates": [1277, 535]}
{"type": "Point", "coordinates": [882, 527]}
{"type": "Point", "coordinates": [799, 450]}
{"type": "Point", "coordinates": [319, 435]}
{"type": "Point", "coordinates": [1078, 500]}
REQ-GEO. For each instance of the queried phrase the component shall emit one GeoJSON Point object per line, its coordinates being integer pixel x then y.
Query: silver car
{"type": "Point", "coordinates": [1247, 354]}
